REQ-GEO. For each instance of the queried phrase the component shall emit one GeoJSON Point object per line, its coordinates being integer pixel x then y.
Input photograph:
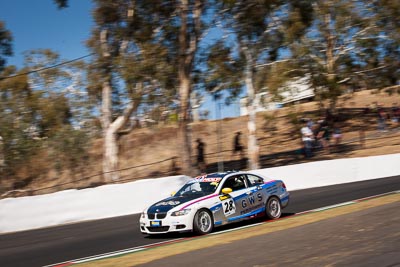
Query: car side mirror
{"type": "Point", "coordinates": [226, 191]}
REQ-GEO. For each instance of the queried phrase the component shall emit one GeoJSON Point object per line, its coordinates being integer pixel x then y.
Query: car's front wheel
{"type": "Point", "coordinates": [273, 209]}
{"type": "Point", "coordinates": [203, 222]}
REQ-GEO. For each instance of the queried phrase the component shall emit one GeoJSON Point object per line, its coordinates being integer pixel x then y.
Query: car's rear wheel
{"type": "Point", "coordinates": [273, 209]}
{"type": "Point", "coordinates": [203, 222]}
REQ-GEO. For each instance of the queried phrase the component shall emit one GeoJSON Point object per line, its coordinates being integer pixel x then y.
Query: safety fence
{"type": "Point", "coordinates": [170, 167]}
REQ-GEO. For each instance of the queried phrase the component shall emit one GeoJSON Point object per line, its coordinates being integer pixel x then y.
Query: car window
{"type": "Point", "coordinates": [208, 187]}
{"type": "Point", "coordinates": [197, 188]}
{"type": "Point", "coordinates": [235, 182]}
{"type": "Point", "coordinates": [188, 188]}
{"type": "Point", "coordinates": [255, 180]}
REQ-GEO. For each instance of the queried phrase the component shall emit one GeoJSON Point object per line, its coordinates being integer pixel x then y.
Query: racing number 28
{"type": "Point", "coordinates": [229, 207]}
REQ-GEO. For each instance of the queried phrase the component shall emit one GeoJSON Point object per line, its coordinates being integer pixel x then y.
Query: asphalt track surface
{"type": "Point", "coordinates": [362, 234]}
{"type": "Point", "coordinates": [62, 243]}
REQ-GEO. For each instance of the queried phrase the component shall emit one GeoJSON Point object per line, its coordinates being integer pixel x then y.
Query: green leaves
{"type": "Point", "coordinates": [61, 3]}
{"type": "Point", "coordinates": [5, 44]}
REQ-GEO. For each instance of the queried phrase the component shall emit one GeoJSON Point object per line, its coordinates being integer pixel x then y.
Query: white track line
{"type": "Point", "coordinates": [334, 206]}
{"type": "Point", "coordinates": [114, 253]}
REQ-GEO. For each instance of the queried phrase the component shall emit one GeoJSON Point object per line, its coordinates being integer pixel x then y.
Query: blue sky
{"type": "Point", "coordinates": [38, 24]}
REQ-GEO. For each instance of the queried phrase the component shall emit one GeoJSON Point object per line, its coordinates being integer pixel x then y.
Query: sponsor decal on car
{"type": "Point", "coordinates": [211, 179]}
{"type": "Point", "coordinates": [251, 200]}
{"type": "Point", "coordinates": [229, 207]}
{"type": "Point", "coordinates": [201, 199]}
{"type": "Point", "coordinates": [155, 223]}
{"type": "Point", "coordinates": [168, 203]}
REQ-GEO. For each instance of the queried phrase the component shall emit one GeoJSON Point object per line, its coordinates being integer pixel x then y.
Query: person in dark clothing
{"type": "Point", "coordinates": [324, 136]}
{"type": "Point", "coordinates": [237, 146]}
{"type": "Point", "coordinates": [382, 116]}
{"type": "Point", "coordinates": [200, 155]}
{"type": "Point", "coordinates": [395, 114]}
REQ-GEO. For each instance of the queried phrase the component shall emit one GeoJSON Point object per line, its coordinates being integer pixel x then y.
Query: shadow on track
{"type": "Point", "coordinates": [232, 226]}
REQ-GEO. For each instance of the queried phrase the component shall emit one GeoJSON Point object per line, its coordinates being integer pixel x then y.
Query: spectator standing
{"type": "Point", "coordinates": [237, 146]}
{"type": "Point", "coordinates": [337, 135]}
{"type": "Point", "coordinates": [312, 125]}
{"type": "Point", "coordinates": [395, 114]}
{"type": "Point", "coordinates": [200, 155]}
{"type": "Point", "coordinates": [360, 127]}
{"type": "Point", "coordinates": [324, 135]}
{"type": "Point", "coordinates": [328, 116]}
{"type": "Point", "coordinates": [1, 153]}
{"type": "Point", "coordinates": [381, 119]}
{"type": "Point", "coordinates": [307, 138]}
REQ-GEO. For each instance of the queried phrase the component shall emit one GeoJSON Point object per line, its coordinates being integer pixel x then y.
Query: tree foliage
{"type": "Point", "coordinates": [131, 68]}
{"type": "Point", "coordinates": [61, 3]}
{"type": "Point", "coordinates": [348, 47]}
{"type": "Point", "coordinates": [34, 110]}
{"type": "Point", "coordinates": [5, 44]}
{"type": "Point", "coordinates": [255, 34]}
{"type": "Point", "coordinates": [149, 56]}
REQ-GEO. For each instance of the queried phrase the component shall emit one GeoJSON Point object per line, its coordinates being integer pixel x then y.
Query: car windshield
{"type": "Point", "coordinates": [197, 188]}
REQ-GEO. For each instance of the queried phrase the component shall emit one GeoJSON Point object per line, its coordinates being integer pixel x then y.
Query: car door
{"type": "Point", "coordinates": [232, 204]}
{"type": "Point", "coordinates": [256, 195]}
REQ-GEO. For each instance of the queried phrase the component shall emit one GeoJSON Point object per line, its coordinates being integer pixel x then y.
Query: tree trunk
{"type": "Point", "coordinates": [110, 148]}
{"type": "Point", "coordinates": [330, 61]}
{"type": "Point", "coordinates": [188, 41]}
{"type": "Point", "coordinates": [185, 149]}
{"type": "Point", "coordinates": [184, 129]}
{"type": "Point", "coordinates": [110, 128]}
{"type": "Point", "coordinates": [110, 133]}
{"type": "Point", "coordinates": [195, 105]}
{"type": "Point", "coordinates": [110, 157]}
{"type": "Point", "coordinates": [253, 149]}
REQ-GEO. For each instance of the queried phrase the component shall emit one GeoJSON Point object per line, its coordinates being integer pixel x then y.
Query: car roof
{"type": "Point", "coordinates": [219, 174]}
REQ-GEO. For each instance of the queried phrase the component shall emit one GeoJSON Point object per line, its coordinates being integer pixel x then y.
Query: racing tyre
{"type": "Point", "coordinates": [203, 222]}
{"type": "Point", "coordinates": [273, 209]}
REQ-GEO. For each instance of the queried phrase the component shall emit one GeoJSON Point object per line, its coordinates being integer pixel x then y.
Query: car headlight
{"type": "Point", "coordinates": [180, 212]}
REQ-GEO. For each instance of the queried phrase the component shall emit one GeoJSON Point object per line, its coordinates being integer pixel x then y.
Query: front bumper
{"type": "Point", "coordinates": [168, 224]}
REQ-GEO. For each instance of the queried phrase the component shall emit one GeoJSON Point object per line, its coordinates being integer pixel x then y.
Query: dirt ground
{"type": "Point", "coordinates": [154, 151]}
{"type": "Point", "coordinates": [278, 138]}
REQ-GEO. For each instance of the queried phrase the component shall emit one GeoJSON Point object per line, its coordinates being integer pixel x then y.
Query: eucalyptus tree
{"type": "Point", "coordinates": [61, 3]}
{"type": "Point", "coordinates": [130, 66]}
{"type": "Point", "coordinates": [5, 50]}
{"type": "Point", "coordinates": [14, 119]}
{"type": "Point", "coordinates": [37, 106]}
{"type": "Point", "coordinates": [190, 15]}
{"type": "Point", "coordinates": [124, 30]}
{"type": "Point", "coordinates": [29, 121]}
{"type": "Point", "coordinates": [63, 117]}
{"type": "Point", "coordinates": [58, 81]}
{"type": "Point", "coordinates": [343, 48]}
{"type": "Point", "coordinates": [5, 44]}
{"type": "Point", "coordinates": [387, 15]}
{"type": "Point", "coordinates": [383, 45]}
{"type": "Point", "coordinates": [254, 38]}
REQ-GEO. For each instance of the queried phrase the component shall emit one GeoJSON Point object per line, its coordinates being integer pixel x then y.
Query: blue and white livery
{"type": "Point", "coordinates": [215, 199]}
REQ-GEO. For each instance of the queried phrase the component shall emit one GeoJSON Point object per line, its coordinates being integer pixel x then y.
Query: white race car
{"type": "Point", "coordinates": [215, 199]}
